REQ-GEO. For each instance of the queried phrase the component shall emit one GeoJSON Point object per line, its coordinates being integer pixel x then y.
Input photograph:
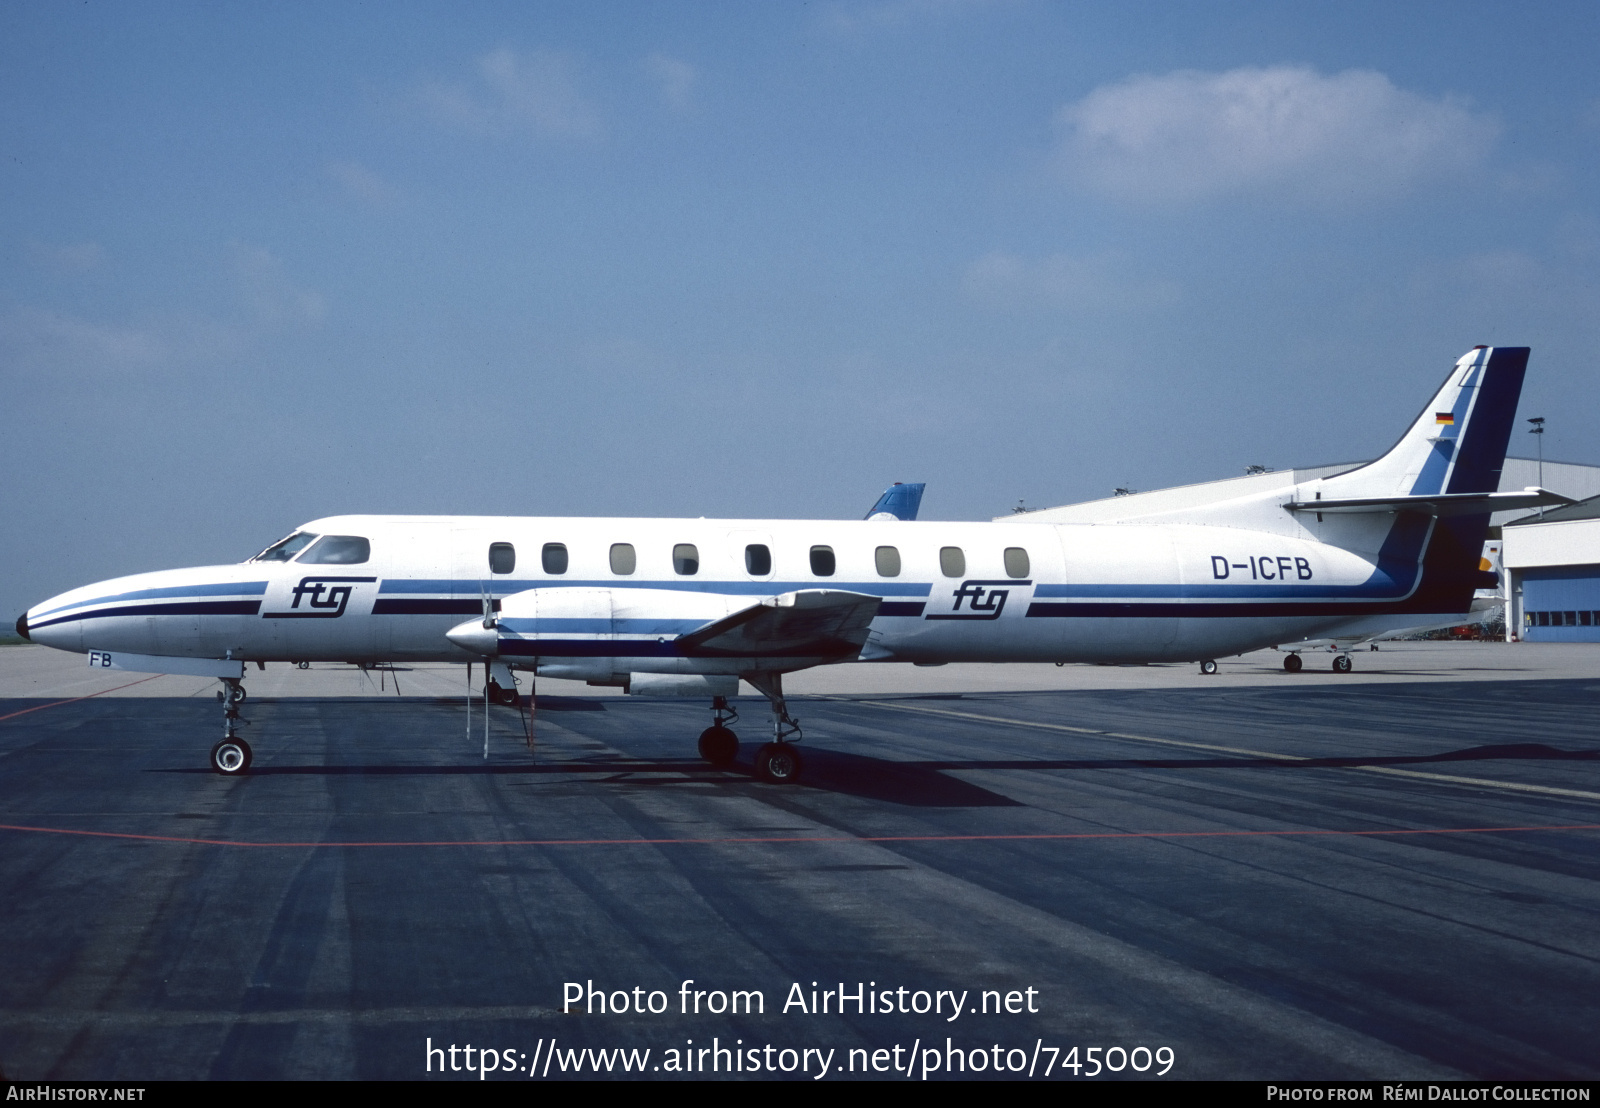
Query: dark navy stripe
{"type": "Point", "coordinates": [201, 608]}
{"type": "Point", "coordinates": [900, 608]}
{"type": "Point", "coordinates": [588, 648]}
{"type": "Point", "coordinates": [430, 607]}
{"type": "Point", "coordinates": [224, 588]}
{"type": "Point", "coordinates": [1198, 610]}
{"type": "Point", "coordinates": [503, 586]}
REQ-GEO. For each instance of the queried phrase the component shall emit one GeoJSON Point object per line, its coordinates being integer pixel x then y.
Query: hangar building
{"type": "Point", "coordinates": [1552, 568]}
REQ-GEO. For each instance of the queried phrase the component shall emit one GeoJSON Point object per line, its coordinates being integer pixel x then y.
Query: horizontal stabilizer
{"type": "Point", "coordinates": [810, 623]}
{"type": "Point", "coordinates": [1440, 504]}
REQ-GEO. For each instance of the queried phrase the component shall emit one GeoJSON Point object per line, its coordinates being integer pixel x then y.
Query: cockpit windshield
{"type": "Point", "coordinates": [284, 549]}
{"type": "Point", "coordinates": [338, 550]}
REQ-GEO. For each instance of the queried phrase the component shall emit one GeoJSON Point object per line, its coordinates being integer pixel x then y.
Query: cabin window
{"type": "Point", "coordinates": [554, 557]}
{"type": "Point", "coordinates": [757, 560]}
{"type": "Point", "coordinates": [952, 562]}
{"type": "Point", "coordinates": [685, 559]}
{"type": "Point", "coordinates": [887, 559]}
{"type": "Point", "coordinates": [284, 549]}
{"type": "Point", "coordinates": [337, 550]}
{"type": "Point", "coordinates": [623, 559]}
{"type": "Point", "coordinates": [1017, 564]}
{"type": "Point", "coordinates": [822, 561]}
{"type": "Point", "coordinates": [502, 557]}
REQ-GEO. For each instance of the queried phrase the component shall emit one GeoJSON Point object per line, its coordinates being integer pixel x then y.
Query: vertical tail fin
{"type": "Point", "coordinates": [898, 502]}
{"type": "Point", "coordinates": [1457, 445]}
{"type": "Point", "coordinates": [1458, 442]}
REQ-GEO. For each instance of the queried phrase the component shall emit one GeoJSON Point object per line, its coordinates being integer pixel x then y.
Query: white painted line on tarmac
{"type": "Point", "coordinates": [1515, 786]}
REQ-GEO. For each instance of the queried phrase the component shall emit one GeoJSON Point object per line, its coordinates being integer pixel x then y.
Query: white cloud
{"type": "Point", "coordinates": [68, 259]}
{"type": "Point", "coordinates": [361, 183]}
{"type": "Point", "coordinates": [676, 78]}
{"type": "Point", "coordinates": [858, 18]}
{"type": "Point", "coordinates": [536, 93]}
{"type": "Point", "coordinates": [1285, 131]}
{"type": "Point", "coordinates": [40, 339]}
{"type": "Point", "coordinates": [1062, 282]}
{"type": "Point", "coordinates": [266, 293]}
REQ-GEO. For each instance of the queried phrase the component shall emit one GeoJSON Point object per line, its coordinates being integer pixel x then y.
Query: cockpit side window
{"type": "Point", "coordinates": [284, 549]}
{"type": "Point", "coordinates": [338, 550]}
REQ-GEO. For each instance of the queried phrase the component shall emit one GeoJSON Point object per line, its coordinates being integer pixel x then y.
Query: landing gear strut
{"type": "Point", "coordinates": [231, 756]}
{"type": "Point", "coordinates": [718, 744]}
{"type": "Point", "coordinates": [778, 761]}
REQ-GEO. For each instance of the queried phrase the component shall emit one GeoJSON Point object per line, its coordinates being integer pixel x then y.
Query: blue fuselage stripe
{"type": "Point", "coordinates": [199, 608]}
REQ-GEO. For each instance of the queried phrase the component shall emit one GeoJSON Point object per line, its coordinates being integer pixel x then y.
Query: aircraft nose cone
{"type": "Point", "coordinates": [22, 626]}
{"type": "Point", "coordinates": [474, 637]}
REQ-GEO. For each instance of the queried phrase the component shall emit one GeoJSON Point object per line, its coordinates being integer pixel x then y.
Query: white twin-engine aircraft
{"type": "Point", "coordinates": [691, 606]}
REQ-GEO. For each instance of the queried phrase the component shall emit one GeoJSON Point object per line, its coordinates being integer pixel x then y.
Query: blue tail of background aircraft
{"type": "Point", "coordinates": [898, 502]}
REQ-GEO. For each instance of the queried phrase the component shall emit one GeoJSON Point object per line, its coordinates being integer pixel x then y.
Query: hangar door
{"type": "Point", "coordinates": [1561, 604]}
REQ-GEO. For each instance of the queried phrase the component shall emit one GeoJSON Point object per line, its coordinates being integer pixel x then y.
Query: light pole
{"type": "Point", "coordinates": [1538, 429]}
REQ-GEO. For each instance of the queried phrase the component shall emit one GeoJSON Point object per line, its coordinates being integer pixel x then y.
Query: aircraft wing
{"type": "Point", "coordinates": [809, 622]}
{"type": "Point", "coordinates": [1440, 504]}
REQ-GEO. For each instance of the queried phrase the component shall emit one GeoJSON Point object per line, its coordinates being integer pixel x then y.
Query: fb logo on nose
{"type": "Point", "coordinates": [325, 597]}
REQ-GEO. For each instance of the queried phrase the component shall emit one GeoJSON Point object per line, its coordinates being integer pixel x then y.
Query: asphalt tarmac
{"type": "Point", "coordinates": [1271, 881]}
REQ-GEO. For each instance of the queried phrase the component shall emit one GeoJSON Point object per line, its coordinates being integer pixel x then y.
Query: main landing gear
{"type": "Point", "coordinates": [1341, 663]}
{"type": "Point", "coordinates": [1208, 667]}
{"type": "Point", "coordinates": [231, 756]}
{"type": "Point", "coordinates": [777, 762]}
{"type": "Point", "coordinates": [718, 744]}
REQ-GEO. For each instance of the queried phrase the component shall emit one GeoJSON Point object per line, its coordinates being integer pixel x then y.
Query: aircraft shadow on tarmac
{"type": "Point", "coordinates": [912, 783]}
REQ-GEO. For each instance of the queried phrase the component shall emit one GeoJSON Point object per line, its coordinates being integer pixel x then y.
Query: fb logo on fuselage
{"type": "Point", "coordinates": [325, 598]}
{"type": "Point", "coordinates": [983, 599]}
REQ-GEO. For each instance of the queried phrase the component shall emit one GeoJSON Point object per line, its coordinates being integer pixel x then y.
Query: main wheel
{"type": "Point", "coordinates": [502, 695]}
{"type": "Point", "coordinates": [719, 746]}
{"type": "Point", "coordinates": [1341, 664]}
{"type": "Point", "coordinates": [1292, 663]}
{"type": "Point", "coordinates": [1208, 667]}
{"type": "Point", "coordinates": [231, 757]}
{"type": "Point", "coordinates": [778, 763]}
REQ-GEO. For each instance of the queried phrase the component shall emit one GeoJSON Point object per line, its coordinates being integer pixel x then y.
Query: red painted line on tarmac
{"type": "Point", "coordinates": [813, 839]}
{"type": "Point", "coordinates": [91, 696]}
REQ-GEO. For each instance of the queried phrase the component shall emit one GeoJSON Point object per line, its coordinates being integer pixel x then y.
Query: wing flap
{"type": "Point", "coordinates": [805, 623]}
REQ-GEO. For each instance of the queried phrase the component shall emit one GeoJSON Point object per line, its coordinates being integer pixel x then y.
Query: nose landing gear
{"type": "Point", "coordinates": [231, 756]}
{"type": "Point", "coordinates": [777, 762]}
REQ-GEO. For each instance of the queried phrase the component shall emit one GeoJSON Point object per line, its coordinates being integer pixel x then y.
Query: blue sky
{"type": "Point", "coordinates": [260, 263]}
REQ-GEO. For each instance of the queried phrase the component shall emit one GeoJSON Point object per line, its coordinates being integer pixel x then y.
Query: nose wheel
{"type": "Point", "coordinates": [1342, 664]}
{"type": "Point", "coordinates": [231, 756]}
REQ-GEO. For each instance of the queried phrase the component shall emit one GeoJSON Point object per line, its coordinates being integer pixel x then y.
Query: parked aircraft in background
{"type": "Point", "coordinates": [692, 606]}
{"type": "Point", "coordinates": [1485, 602]}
